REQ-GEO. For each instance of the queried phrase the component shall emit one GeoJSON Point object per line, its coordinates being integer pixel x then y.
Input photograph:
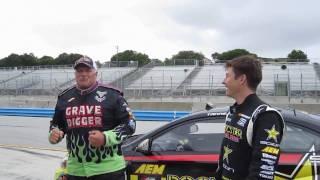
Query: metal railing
{"type": "Point", "coordinates": [36, 67]}
{"type": "Point", "coordinates": [120, 64]}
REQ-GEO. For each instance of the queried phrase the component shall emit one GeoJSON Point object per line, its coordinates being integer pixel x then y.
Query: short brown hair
{"type": "Point", "coordinates": [249, 66]}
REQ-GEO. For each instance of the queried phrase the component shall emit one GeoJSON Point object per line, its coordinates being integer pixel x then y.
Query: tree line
{"type": "Point", "coordinates": [14, 60]}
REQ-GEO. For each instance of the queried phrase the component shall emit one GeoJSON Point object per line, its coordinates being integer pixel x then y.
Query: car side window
{"type": "Point", "coordinates": [298, 139]}
{"type": "Point", "coordinates": [197, 136]}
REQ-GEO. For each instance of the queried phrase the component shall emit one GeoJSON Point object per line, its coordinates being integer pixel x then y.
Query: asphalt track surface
{"type": "Point", "coordinates": [26, 154]}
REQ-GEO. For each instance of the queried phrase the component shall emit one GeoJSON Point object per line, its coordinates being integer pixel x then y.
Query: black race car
{"type": "Point", "coordinates": [188, 148]}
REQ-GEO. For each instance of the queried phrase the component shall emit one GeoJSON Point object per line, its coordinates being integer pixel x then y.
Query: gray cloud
{"type": "Point", "coordinates": [69, 35]}
{"type": "Point", "coordinates": [268, 27]}
{"type": "Point", "coordinates": [162, 27]}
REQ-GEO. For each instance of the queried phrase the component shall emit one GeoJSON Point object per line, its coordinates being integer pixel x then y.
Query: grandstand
{"type": "Point", "coordinates": [9, 74]}
{"type": "Point", "coordinates": [50, 81]}
{"type": "Point", "coordinates": [109, 75]}
{"type": "Point", "coordinates": [291, 79]}
{"type": "Point", "coordinates": [161, 79]}
{"type": "Point", "coordinates": [285, 79]}
{"type": "Point", "coordinates": [208, 81]}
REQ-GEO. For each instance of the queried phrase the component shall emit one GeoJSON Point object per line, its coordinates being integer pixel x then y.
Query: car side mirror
{"type": "Point", "coordinates": [144, 146]}
{"type": "Point", "coordinates": [209, 106]}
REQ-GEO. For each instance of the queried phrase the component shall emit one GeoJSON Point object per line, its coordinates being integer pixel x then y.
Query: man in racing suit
{"type": "Point", "coordinates": [95, 119]}
{"type": "Point", "coordinates": [253, 131]}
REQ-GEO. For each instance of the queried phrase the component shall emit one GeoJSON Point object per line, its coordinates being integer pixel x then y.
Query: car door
{"type": "Point", "coordinates": [300, 156]}
{"type": "Point", "coordinates": [187, 151]}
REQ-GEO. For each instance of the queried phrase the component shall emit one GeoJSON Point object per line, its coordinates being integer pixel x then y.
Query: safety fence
{"type": "Point", "coordinates": [139, 114]}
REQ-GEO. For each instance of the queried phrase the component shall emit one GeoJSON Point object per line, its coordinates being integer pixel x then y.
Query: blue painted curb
{"type": "Point", "coordinates": [139, 114]}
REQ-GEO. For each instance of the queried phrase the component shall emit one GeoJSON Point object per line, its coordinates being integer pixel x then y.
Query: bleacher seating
{"type": "Point", "coordinates": [41, 79]}
{"type": "Point", "coordinates": [8, 74]}
{"type": "Point", "coordinates": [278, 79]}
{"type": "Point", "coordinates": [53, 78]}
{"type": "Point", "coordinates": [210, 77]}
{"type": "Point", "coordinates": [297, 77]}
{"type": "Point", "coordinates": [108, 75]}
{"type": "Point", "coordinates": [162, 77]}
{"type": "Point", "coordinates": [303, 77]}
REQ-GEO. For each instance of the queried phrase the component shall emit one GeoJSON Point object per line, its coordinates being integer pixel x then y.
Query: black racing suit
{"type": "Point", "coordinates": [98, 108]}
{"type": "Point", "coordinates": [250, 148]}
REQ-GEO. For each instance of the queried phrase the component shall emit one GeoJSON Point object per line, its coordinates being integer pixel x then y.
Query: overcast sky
{"type": "Point", "coordinates": [159, 28]}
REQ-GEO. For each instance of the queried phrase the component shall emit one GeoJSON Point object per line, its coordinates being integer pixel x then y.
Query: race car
{"type": "Point", "coordinates": [188, 148]}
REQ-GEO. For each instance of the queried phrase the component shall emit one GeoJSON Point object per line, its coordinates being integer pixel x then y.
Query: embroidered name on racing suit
{"type": "Point", "coordinates": [84, 116]}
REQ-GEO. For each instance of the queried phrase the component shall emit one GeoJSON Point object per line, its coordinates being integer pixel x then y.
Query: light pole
{"type": "Point", "coordinates": [117, 58]}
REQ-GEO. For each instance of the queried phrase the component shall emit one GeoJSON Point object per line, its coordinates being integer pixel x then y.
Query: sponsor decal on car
{"type": "Point", "coordinates": [175, 177]}
{"type": "Point", "coordinates": [306, 168]}
{"type": "Point", "coordinates": [315, 159]}
{"type": "Point", "coordinates": [150, 169]}
{"type": "Point", "coordinates": [153, 170]}
{"type": "Point", "coordinates": [217, 114]}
